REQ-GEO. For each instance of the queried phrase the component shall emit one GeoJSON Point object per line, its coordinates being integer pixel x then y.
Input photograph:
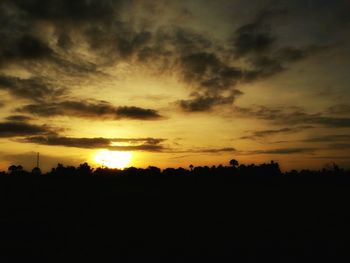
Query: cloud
{"type": "Point", "coordinates": [212, 71]}
{"type": "Point", "coordinates": [145, 147]}
{"type": "Point", "coordinates": [329, 138]}
{"type": "Point", "coordinates": [28, 47]}
{"type": "Point", "coordinates": [332, 157]}
{"type": "Point", "coordinates": [258, 45]}
{"type": "Point", "coordinates": [216, 150]}
{"type": "Point", "coordinates": [285, 151]}
{"type": "Point", "coordinates": [18, 129]}
{"type": "Point", "coordinates": [32, 88]}
{"type": "Point", "coordinates": [115, 31]}
{"type": "Point", "coordinates": [211, 77]}
{"type": "Point", "coordinates": [137, 113]}
{"type": "Point", "coordinates": [252, 38]}
{"type": "Point", "coordinates": [209, 71]}
{"type": "Point", "coordinates": [133, 144]}
{"type": "Point", "coordinates": [18, 118]}
{"type": "Point", "coordinates": [117, 144]}
{"type": "Point", "coordinates": [203, 150]}
{"type": "Point", "coordinates": [90, 109]}
{"type": "Point", "coordinates": [340, 109]}
{"type": "Point", "coordinates": [266, 133]}
{"type": "Point", "coordinates": [340, 146]}
{"type": "Point", "coordinates": [201, 103]}
{"type": "Point", "coordinates": [292, 116]}
{"type": "Point", "coordinates": [79, 10]}
{"type": "Point", "coordinates": [264, 66]}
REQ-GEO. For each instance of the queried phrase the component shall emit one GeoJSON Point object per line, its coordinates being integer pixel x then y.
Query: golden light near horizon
{"type": "Point", "coordinates": [113, 159]}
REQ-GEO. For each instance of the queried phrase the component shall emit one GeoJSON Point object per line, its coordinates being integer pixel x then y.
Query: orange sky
{"type": "Point", "coordinates": [174, 84]}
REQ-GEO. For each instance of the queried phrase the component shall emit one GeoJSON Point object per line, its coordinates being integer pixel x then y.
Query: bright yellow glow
{"type": "Point", "coordinates": [112, 159]}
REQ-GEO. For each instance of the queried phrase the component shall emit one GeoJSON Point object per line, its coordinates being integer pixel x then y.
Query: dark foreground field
{"type": "Point", "coordinates": [174, 219]}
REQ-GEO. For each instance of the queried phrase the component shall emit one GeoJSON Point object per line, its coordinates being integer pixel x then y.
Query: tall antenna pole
{"type": "Point", "coordinates": [37, 160]}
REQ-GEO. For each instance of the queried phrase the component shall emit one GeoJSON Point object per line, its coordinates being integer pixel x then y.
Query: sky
{"type": "Point", "coordinates": [174, 83]}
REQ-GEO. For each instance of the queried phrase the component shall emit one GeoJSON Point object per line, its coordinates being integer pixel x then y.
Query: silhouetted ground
{"type": "Point", "coordinates": [218, 215]}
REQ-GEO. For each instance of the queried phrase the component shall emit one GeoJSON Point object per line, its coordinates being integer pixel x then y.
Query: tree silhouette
{"type": "Point", "coordinates": [36, 171]}
{"type": "Point", "coordinates": [15, 170]}
{"type": "Point", "coordinates": [84, 169]}
{"type": "Point", "coordinates": [234, 163]}
{"type": "Point", "coordinates": [12, 169]}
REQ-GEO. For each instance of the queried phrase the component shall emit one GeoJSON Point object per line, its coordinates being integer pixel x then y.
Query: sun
{"type": "Point", "coordinates": [113, 159]}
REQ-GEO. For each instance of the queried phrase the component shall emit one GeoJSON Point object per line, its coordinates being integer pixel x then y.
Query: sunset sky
{"type": "Point", "coordinates": [174, 83]}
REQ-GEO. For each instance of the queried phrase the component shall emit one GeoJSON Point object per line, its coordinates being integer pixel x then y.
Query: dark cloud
{"type": "Point", "coordinates": [331, 158]}
{"type": "Point", "coordinates": [134, 43]}
{"type": "Point", "coordinates": [289, 116]}
{"type": "Point", "coordinates": [145, 147]}
{"type": "Point", "coordinates": [203, 150]}
{"type": "Point", "coordinates": [18, 41]}
{"type": "Point", "coordinates": [78, 10]}
{"type": "Point", "coordinates": [340, 146]}
{"type": "Point", "coordinates": [28, 47]}
{"type": "Point", "coordinates": [340, 109]}
{"type": "Point", "coordinates": [266, 133]}
{"type": "Point", "coordinates": [252, 38]}
{"type": "Point", "coordinates": [268, 64]}
{"type": "Point", "coordinates": [205, 67]}
{"type": "Point", "coordinates": [188, 41]}
{"type": "Point", "coordinates": [134, 144]}
{"type": "Point", "coordinates": [329, 138]}
{"type": "Point", "coordinates": [19, 118]}
{"type": "Point", "coordinates": [33, 88]}
{"type": "Point", "coordinates": [263, 67]}
{"type": "Point", "coordinates": [285, 151]}
{"type": "Point", "coordinates": [292, 54]}
{"type": "Point", "coordinates": [259, 46]}
{"type": "Point", "coordinates": [90, 109]}
{"type": "Point", "coordinates": [331, 122]}
{"type": "Point", "coordinates": [22, 39]}
{"type": "Point", "coordinates": [201, 103]}
{"type": "Point", "coordinates": [137, 113]}
{"type": "Point", "coordinates": [211, 77]}
{"type": "Point", "coordinates": [114, 32]}
{"type": "Point", "coordinates": [69, 142]}
{"type": "Point", "coordinates": [217, 150]}
{"type": "Point", "coordinates": [18, 129]}
{"type": "Point", "coordinates": [209, 71]}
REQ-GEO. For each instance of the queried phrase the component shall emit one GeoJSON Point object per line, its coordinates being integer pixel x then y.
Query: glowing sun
{"type": "Point", "coordinates": [112, 159]}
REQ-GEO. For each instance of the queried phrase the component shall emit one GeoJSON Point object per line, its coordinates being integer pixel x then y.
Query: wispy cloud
{"type": "Point", "coordinates": [328, 138]}
{"type": "Point", "coordinates": [133, 144]}
{"type": "Point", "coordinates": [18, 129]}
{"type": "Point", "coordinates": [211, 68]}
{"type": "Point", "coordinates": [35, 89]}
{"type": "Point", "coordinates": [290, 116]}
{"type": "Point", "coordinates": [90, 109]}
{"type": "Point", "coordinates": [266, 133]}
{"type": "Point", "coordinates": [285, 151]}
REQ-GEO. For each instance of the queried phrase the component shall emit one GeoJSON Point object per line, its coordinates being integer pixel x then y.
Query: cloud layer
{"type": "Point", "coordinates": [17, 129]}
{"type": "Point", "coordinates": [211, 68]}
{"type": "Point", "coordinates": [89, 109]}
{"type": "Point", "coordinates": [58, 57]}
{"type": "Point", "coordinates": [138, 144]}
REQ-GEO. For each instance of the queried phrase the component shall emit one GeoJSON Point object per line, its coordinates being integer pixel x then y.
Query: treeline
{"type": "Point", "coordinates": [265, 170]}
{"type": "Point", "coordinates": [236, 212]}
